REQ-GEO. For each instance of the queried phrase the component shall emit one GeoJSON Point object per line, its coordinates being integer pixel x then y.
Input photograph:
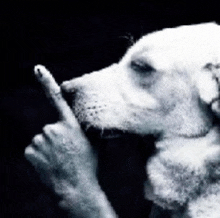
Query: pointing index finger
{"type": "Point", "coordinates": [53, 92]}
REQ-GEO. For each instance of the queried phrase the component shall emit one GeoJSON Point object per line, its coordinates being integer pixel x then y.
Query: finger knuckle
{"type": "Point", "coordinates": [53, 130]}
{"type": "Point", "coordinates": [48, 129]}
{"type": "Point", "coordinates": [37, 140]}
{"type": "Point", "coordinates": [57, 94]}
{"type": "Point", "coordinates": [71, 125]}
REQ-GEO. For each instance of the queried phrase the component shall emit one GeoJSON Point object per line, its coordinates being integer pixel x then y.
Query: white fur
{"type": "Point", "coordinates": [173, 101]}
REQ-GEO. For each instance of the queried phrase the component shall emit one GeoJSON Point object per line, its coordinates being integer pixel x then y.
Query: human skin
{"type": "Point", "coordinates": [65, 159]}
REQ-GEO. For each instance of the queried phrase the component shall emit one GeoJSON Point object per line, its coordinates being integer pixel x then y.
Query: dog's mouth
{"type": "Point", "coordinates": [94, 132]}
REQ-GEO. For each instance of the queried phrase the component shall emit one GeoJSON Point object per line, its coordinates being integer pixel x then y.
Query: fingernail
{"type": "Point", "coordinates": [39, 73]}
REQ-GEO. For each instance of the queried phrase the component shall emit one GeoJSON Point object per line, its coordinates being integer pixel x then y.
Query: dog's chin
{"type": "Point", "coordinates": [96, 132]}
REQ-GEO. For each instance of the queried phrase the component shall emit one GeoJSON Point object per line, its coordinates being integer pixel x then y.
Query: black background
{"type": "Point", "coordinates": [72, 38]}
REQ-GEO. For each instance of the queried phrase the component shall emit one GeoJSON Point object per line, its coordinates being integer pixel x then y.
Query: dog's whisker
{"type": "Point", "coordinates": [87, 127]}
{"type": "Point", "coordinates": [102, 132]}
{"type": "Point", "coordinates": [130, 38]}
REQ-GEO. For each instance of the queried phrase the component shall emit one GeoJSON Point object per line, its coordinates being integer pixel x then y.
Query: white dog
{"type": "Point", "coordinates": [167, 84]}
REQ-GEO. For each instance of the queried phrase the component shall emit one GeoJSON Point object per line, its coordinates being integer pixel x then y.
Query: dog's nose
{"type": "Point", "coordinates": [67, 86]}
{"type": "Point", "coordinates": [68, 92]}
{"type": "Point", "coordinates": [71, 86]}
{"type": "Point", "coordinates": [96, 78]}
{"type": "Point", "coordinates": [70, 89]}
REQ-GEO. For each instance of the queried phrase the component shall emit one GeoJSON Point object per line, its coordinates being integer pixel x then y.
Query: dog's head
{"type": "Point", "coordinates": [164, 84]}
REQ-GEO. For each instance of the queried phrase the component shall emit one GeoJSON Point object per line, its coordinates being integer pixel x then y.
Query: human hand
{"type": "Point", "coordinates": [62, 151]}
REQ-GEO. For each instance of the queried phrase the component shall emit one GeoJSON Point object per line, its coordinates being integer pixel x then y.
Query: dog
{"type": "Point", "coordinates": [167, 84]}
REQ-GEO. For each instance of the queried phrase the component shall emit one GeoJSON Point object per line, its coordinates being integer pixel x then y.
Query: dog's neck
{"type": "Point", "coordinates": [168, 141]}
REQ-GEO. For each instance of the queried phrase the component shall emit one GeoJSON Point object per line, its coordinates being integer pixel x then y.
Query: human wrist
{"type": "Point", "coordinates": [87, 200]}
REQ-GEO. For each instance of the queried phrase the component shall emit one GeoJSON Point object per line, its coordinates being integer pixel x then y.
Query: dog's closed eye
{"type": "Point", "coordinates": [141, 66]}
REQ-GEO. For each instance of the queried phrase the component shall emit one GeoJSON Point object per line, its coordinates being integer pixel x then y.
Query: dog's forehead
{"type": "Point", "coordinates": [195, 43]}
{"type": "Point", "coordinates": [201, 34]}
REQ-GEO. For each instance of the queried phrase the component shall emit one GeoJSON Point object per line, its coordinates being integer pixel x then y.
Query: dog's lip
{"type": "Point", "coordinates": [95, 132]}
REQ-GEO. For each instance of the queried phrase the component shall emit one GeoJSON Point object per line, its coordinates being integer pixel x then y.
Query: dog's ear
{"type": "Point", "coordinates": [208, 83]}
